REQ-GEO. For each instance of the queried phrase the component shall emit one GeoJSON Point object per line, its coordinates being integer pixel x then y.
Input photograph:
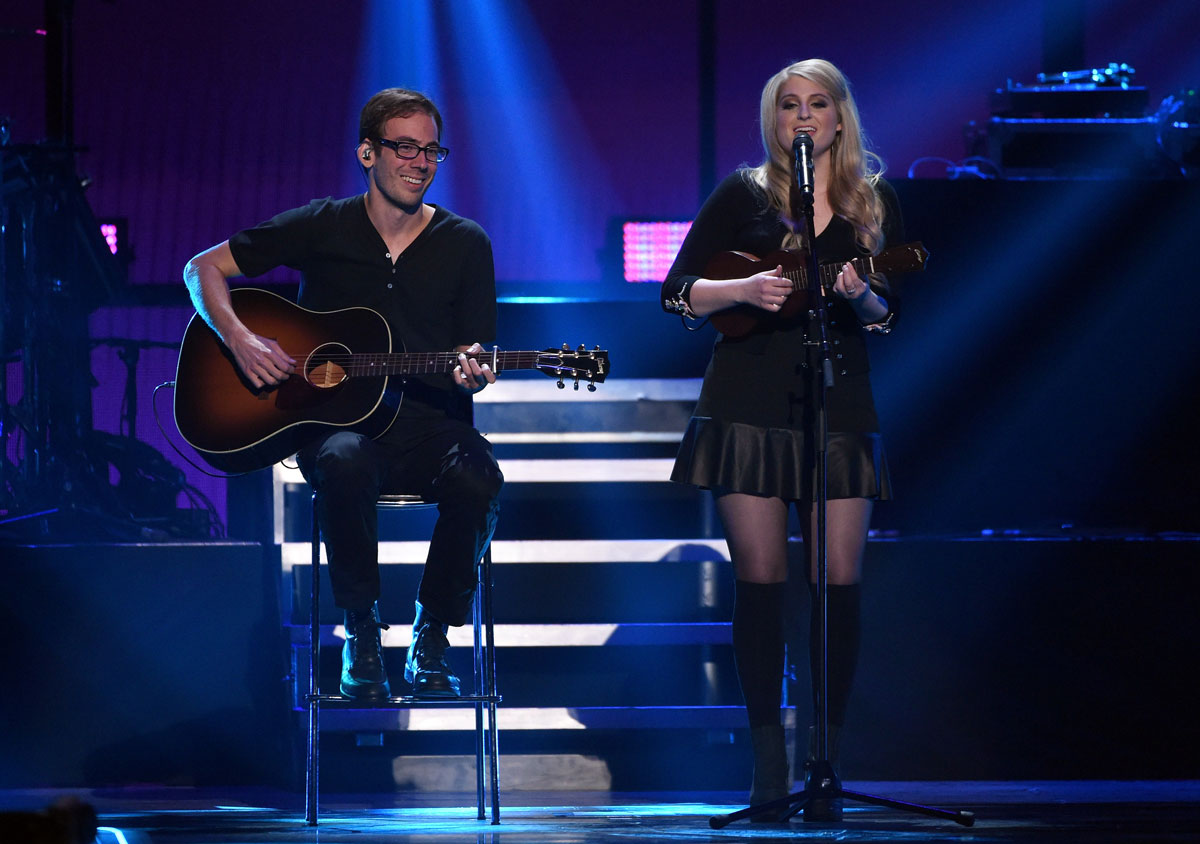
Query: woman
{"type": "Point", "coordinates": [750, 440]}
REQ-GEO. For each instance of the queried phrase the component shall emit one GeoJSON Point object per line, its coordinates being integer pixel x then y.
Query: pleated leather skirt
{"type": "Point", "coordinates": [779, 462]}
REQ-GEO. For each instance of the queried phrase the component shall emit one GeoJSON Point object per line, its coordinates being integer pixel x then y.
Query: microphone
{"type": "Point", "coordinates": [802, 147]}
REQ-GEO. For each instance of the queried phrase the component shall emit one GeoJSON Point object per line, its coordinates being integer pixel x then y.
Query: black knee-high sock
{"type": "Point", "coordinates": [844, 614]}
{"type": "Point", "coordinates": [758, 648]}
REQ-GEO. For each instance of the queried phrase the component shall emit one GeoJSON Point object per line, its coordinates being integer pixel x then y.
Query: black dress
{"type": "Point", "coordinates": [751, 429]}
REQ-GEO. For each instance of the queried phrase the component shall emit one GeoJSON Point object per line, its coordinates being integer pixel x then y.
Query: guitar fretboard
{"type": "Point", "coordinates": [426, 363]}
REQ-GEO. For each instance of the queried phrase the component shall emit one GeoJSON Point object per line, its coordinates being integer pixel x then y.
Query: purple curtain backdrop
{"type": "Point", "coordinates": [199, 119]}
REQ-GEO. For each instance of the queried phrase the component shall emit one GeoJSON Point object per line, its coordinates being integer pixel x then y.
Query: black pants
{"type": "Point", "coordinates": [443, 460]}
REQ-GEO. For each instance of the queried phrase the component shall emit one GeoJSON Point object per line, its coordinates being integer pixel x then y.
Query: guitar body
{"type": "Point", "coordinates": [238, 428]}
{"type": "Point", "coordinates": [742, 319]}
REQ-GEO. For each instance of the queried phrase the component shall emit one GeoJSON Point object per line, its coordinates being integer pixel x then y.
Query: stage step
{"type": "Point", "coordinates": [607, 627]}
{"type": "Point", "coordinates": [547, 635]}
{"type": "Point", "coordinates": [612, 594]}
{"type": "Point", "coordinates": [956, 632]}
{"type": "Point", "coordinates": [440, 717]}
{"type": "Point", "coordinates": [412, 552]}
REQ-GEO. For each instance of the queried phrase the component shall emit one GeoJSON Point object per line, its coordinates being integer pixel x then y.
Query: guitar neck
{"type": "Point", "coordinates": [328, 367]}
{"type": "Point", "coordinates": [429, 363]}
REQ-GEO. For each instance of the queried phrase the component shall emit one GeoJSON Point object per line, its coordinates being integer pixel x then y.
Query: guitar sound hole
{"type": "Point", "coordinates": [322, 370]}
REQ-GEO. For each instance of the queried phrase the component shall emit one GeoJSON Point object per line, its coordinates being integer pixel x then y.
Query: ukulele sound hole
{"type": "Point", "coordinates": [321, 369]}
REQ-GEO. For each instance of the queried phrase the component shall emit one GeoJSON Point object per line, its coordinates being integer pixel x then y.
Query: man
{"type": "Point", "coordinates": [429, 272]}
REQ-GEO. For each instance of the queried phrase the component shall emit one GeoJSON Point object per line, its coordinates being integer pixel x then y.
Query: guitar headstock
{"type": "Point", "coordinates": [590, 365]}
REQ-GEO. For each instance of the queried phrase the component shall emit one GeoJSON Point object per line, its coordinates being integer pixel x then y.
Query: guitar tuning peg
{"type": "Point", "coordinates": [577, 385]}
{"type": "Point", "coordinates": [565, 347]}
{"type": "Point", "coordinates": [595, 348]}
{"type": "Point", "coordinates": [591, 387]}
{"type": "Point", "coordinates": [581, 349]}
{"type": "Point", "coordinates": [561, 385]}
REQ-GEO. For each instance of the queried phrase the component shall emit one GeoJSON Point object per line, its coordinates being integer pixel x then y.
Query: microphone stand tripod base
{"type": "Point", "coordinates": [822, 792]}
{"type": "Point", "coordinates": [820, 801]}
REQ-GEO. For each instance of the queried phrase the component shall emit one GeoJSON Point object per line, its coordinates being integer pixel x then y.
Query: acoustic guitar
{"type": "Point", "coordinates": [742, 319]}
{"type": "Point", "coordinates": [347, 377]}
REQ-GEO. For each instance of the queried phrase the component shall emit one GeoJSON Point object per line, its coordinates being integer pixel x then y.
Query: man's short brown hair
{"type": "Point", "coordinates": [394, 102]}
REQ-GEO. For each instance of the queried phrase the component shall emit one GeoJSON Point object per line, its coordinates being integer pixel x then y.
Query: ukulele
{"type": "Point", "coordinates": [742, 319]}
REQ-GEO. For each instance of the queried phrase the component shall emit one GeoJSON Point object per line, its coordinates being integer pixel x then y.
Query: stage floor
{"type": "Point", "coordinates": [1030, 812]}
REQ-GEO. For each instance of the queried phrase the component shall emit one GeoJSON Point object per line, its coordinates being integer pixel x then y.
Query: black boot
{"type": "Point", "coordinates": [363, 674]}
{"type": "Point", "coordinates": [771, 778]}
{"type": "Point", "coordinates": [426, 668]}
{"type": "Point", "coordinates": [822, 808]}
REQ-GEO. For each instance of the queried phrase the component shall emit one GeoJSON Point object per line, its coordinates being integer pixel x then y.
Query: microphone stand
{"type": "Point", "coordinates": [821, 782]}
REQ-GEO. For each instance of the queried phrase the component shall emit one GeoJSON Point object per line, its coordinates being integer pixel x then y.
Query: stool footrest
{"type": "Point", "coordinates": [404, 700]}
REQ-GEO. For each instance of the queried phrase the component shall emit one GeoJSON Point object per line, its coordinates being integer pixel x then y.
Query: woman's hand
{"type": "Point", "coordinates": [767, 290]}
{"type": "Point", "coordinates": [867, 304]}
{"type": "Point", "coordinates": [849, 284]}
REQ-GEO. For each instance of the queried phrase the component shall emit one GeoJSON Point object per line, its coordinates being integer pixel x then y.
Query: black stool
{"type": "Point", "coordinates": [485, 695]}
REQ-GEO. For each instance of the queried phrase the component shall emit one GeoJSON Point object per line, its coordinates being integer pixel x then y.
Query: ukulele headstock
{"type": "Point", "coordinates": [909, 258]}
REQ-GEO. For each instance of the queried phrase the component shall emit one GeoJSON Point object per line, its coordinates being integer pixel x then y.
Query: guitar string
{"type": "Point", "coordinates": [423, 359]}
{"type": "Point", "coordinates": [421, 363]}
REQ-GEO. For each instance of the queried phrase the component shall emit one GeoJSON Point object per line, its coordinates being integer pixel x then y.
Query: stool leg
{"type": "Point", "coordinates": [490, 683]}
{"type": "Point", "coordinates": [312, 773]}
{"type": "Point", "coordinates": [477, 648]}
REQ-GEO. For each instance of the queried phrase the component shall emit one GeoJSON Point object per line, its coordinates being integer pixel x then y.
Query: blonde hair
{"type": "Point", "coordinates": [854, 169]}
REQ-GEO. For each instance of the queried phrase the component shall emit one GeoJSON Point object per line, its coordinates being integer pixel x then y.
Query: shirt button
{"type": "Point", "coordinates": [839, 358]}
{"type": "Point", "coordinates": [387, 254]}
{"type": "Point", "coordinates": [390, 285]}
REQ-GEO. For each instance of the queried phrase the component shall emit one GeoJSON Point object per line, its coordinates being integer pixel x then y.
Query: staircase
{"type": "Point", "coordinates": [612, 600]}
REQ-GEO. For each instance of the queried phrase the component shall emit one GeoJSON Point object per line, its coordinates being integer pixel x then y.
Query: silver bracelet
{"type": "Point", "coordinates": [883, 327]}
{"type": "Point", "coordinates": [679, 303]}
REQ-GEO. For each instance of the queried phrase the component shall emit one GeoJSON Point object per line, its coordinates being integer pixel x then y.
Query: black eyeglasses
{"type": "Point", "coordinates": [434, 154]}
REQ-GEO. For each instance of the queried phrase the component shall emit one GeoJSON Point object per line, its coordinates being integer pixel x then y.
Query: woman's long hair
{"type": "Point", "coordinates": [854, 169]}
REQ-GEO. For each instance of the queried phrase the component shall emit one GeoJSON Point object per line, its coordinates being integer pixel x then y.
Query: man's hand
{"type": "Point", "coordinates": [207, 276]}
{"type": "Point", "coordinates": [470, 375]}
{"type": "Point", "coordinates": [261, 359]}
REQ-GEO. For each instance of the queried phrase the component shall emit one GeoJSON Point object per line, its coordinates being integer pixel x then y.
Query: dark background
{"type": "Point", "coordinates": [200, 119]}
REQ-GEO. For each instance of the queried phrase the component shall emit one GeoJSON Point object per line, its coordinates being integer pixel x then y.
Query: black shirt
{"type": "Point", "coordinates": [762, 378]}
{"type": "Point", "coordinates": [440, 293]}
